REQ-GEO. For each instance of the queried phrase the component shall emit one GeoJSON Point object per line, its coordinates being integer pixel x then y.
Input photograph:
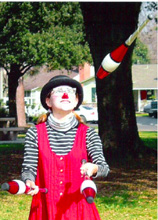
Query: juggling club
{"type": "Point", "coordinates": [114, 59]}
{"type": "Point", "coordinates": [88, 188]}
{"type": "Point", "coordinates": [19, 187]}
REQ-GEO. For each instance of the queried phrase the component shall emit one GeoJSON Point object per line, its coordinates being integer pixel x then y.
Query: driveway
{"type": "Point", "coordinates": [147, 123]}
{"type": "Point", "coordinates": [143, 123]}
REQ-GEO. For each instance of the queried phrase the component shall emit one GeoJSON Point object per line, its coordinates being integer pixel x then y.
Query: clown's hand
{"type": "Point", "coordinates": [34, 189]}
{"type": "Point", "coordinates": [89, 168]}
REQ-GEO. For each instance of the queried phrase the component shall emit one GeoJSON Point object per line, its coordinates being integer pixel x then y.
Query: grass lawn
{"type": "Point", "coordinates": [14, 207]}
{"type": "Point", "coordinates": [149, 138]}
{"type": "Point", "coordinates": [128, 204]}
{"type": "Point", "coordinates": [126, 194]}
{"type": "Point", "coordinates": [142, 114]}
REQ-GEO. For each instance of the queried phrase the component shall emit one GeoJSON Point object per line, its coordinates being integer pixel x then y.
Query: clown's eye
{"type": "Point", "coordinates": [63, 90]}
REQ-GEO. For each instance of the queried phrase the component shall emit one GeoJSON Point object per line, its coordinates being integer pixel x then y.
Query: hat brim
{"type": "Point", "coordinates": [59, 82]}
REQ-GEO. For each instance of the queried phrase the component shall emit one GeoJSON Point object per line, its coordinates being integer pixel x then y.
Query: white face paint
{"type": "Point", "coordinates": [62, 98]}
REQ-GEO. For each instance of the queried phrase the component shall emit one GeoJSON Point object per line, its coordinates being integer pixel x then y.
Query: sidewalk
{"type": "Point", "coordinates": [18, 141]}
{"type": "Point", "coordinates": [146, 123]}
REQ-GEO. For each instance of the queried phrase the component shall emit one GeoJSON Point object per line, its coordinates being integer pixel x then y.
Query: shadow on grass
{"type": "Point", "coordinates": [139, 173]}
{"type": "Point", "coordinates": [129, 185]}
{"type": "Point", "coordinates": [126, 191]}
{"type": "Point", "coordinates": [11, 157]}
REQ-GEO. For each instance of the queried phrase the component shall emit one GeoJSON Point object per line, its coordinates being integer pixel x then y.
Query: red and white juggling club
{"type": "Point", "coordinates": [19, 187]}
{"type": "Point", "coordinates": [88, 188]}
{"type": "Point", "coordinates": [114, 59]}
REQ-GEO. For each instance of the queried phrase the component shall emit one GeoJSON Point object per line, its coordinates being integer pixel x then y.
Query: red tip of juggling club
{"type": "Point", "coordinates": [89, 194]}
{"type": "Point", "coordinates": [102, 73]}
{"type": "Point", "coordinates": [11, 187]}
{"type": "Point", "coordinates": [118, 54]}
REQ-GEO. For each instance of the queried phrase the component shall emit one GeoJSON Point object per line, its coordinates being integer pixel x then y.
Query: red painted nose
{"type": "Point", "coordinates": [65, 96]}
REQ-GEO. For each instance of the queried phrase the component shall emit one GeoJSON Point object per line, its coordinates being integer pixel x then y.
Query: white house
{"type": "Point", "coordinates": [145, 88]}
{"type": "Point", "coordinates": [145, 81]}
{"type": "Point", "coordinates": [3, 84]}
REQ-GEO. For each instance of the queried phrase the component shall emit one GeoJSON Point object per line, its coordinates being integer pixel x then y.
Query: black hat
{"type": "Point", "coordinates": [61, 80]}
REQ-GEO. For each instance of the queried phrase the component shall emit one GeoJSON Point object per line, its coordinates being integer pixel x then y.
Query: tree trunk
{"type": "Point", "coordinates": [108, 25]}
{"type": "Point", "coordinates": [20, 104]}
{"type": "Point", "coordinates": [13, 77]}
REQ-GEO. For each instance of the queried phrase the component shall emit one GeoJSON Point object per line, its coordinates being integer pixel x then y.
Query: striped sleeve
{"type": "Point", "coordinates": [29, 165]}
{"type": "Point", "coordinates": [95, 152]}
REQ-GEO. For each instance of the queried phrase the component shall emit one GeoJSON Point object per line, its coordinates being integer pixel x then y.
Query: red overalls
{"type": "Point", "coordinates": [61, 176]}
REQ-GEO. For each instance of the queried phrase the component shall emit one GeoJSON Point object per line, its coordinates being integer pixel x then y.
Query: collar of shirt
{"type": "Point", "coordinates": [70, 123]}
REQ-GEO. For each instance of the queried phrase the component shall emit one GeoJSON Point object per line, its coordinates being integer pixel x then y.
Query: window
{"type": "Point", "coordinates": [150, 93]}
{"type": "Point", "coordinates": [27, 93]}
{"type": "Point", "coordinates": [147, 94]}
{"type": "Point", "coordinates": [93, 94]}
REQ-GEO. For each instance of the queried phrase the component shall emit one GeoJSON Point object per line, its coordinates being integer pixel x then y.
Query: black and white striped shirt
{"type": "Point", "coordinates": [61, 138]}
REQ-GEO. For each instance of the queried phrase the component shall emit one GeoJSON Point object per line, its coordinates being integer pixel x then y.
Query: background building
{"type": "Point", "coordinates": [144, 79]}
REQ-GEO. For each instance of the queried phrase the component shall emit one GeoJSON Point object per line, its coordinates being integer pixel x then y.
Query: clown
{"type": "Point", "coordinates": [53, 153]}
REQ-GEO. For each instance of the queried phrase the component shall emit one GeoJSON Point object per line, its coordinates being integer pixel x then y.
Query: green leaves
{"type": "Point", "coordinates": [140, 53]}
{"type": "Point", "coordinates": [34, 33]}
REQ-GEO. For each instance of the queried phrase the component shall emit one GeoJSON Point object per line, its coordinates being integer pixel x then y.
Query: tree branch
{"type": "Point", "coordinates": [25, 69]}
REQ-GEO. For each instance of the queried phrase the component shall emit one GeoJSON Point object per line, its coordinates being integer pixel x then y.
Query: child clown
{"type": "Point", "coordinates": [53, 153]}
